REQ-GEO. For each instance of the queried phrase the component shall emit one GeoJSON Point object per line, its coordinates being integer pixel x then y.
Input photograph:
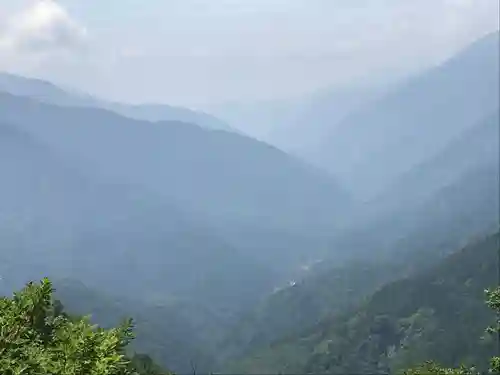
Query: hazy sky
{"type": "Point", "coordinates": [207, 51]}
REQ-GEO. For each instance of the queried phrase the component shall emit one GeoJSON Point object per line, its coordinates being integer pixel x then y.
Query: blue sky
{"type": "Point", "coordinates": [191, 52]}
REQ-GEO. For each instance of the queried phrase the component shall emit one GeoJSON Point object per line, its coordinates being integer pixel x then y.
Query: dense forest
{"type": "Point", "coordinates": [438, 315]}
{"type": "Point", "coordinates": [361, 236]}
{"type": "Point", "coordinates": [39, 337]}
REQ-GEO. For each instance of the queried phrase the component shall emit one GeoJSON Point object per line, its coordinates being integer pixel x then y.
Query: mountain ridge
{"type": "Point", "coordinates": [50, 93]}
{"type": "Point", "coordinates": [415, 120]}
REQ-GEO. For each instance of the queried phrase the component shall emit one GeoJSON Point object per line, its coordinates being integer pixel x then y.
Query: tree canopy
{"type": "Point", "coordinates": [431, 368]}
{"type": "Point", "coordinates": [38, 338]}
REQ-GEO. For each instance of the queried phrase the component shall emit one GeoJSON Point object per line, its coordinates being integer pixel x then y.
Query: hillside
{"type": "Point", "coordinates": [69, 219]}
{"type": "Point", "coordinates": [479, 144]}
{"type": "Point", "coordinates": [432, 209]}
{"type": "Point", "coordinates": [258, 185]}
{"type": "Point", "coordinates": [165, 330]}
{"type": "Point", "coordinates": [438, 314]}
{"type": "Point", "coordinates": [324, 199]}
{"type": "Point", "coordinates": [389, 248]}
{"type": "Point", "coordinates": [57, 220]}
{"type": "Point", "coordinates": [414, 121]}
{"type": "Point", "coordinates": [87, 191]}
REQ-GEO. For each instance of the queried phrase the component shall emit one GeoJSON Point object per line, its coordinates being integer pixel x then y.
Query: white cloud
{"type": "Point", "coordinates": [38, 31]}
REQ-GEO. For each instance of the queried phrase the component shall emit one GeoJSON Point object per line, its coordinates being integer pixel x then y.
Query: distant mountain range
{"type": "Point", "coordinates": [159, 210]}
{"type": "Point", "coordinates": [429, 211]}
{"type": "Point", "coordinates": [298, 124]}
{"type": "Point", "coordinates": [376, 145]}
{"type": "Point", "coordinates": [258, 184]}
{"type": "Point", "coordinates": [368, 134]}
{"type": "Point", "coordinates": [240, 257]}
{"type": "Point", "coordinates": [390, 247]}
{"type": "Point", "coordinates": [47, 92]}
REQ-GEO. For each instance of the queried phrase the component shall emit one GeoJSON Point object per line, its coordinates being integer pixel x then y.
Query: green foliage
{"type": "Point", "coordinates": [436, 314]}
{"type": "Point", "coordinates": [493, 301]}
{"type": "Point", "coordinates": [173, 332]}
{"type": "Point", "coordinates": [144, 365]}
{"type": "Point", "coordinates": [37, 338]}
{"type": "Point", "coordinates": [431, 368]}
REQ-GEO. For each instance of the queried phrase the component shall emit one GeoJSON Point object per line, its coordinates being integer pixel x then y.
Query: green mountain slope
{"type": "Point", "coordinates": [164, 330]}
{"type": "Point", "coordinates": [56, 220]}
{"type": "Point", "coordinates": [91, 195]}
{"type": "Point", "coordinates": [395, 246]}
{"type": "Point", "coordinates": [438, 314]}
{"type": "Point", "coordinates": [69, 223]}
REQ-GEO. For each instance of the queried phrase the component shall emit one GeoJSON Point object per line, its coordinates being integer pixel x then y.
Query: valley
{"type": "Point", "coordinates": [357, 236]}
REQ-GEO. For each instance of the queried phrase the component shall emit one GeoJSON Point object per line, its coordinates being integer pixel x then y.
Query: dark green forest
{"type": "Point", "coordinates": [408, 327]}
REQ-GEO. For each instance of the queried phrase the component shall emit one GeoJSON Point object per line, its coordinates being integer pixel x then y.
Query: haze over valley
{"type": "Point", "coordinates": [318, 197]}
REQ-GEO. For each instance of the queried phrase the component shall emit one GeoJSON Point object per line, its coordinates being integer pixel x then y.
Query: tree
{"type": "Point", "coordinates": [144, 365]}
{"type": "Point", "coordinates": [493, 301]}
{"type": "Point", "coordinates": [37, 338]}
{"type": "Point", "coordinates": [431, 368]}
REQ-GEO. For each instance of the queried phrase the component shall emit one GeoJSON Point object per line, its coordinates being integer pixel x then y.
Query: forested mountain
{"type": "Point", "coordinates": [414, 121]}
{"type": "Point", "coordinates": [433, 209]}
{"type": "Point", "coordinates": [189, 165]}
{"type": "Point", "coordinates": [68, 220]}
{"type": "Point", "coordinates": [437, 314]}
{"type": "Point", "coordinates": [49, 93]}
{"type": "Point", "coordinates": [179, 223]}
{"type": "Point", "coordinates": [169, 331]}
{"type": "Point", "coordinates": [234, 256]}
{"type": "Point", "coordinates": [394, 247]}
{"type": "Point", "coordinates": [55, 220]}
{"type": "Point", "coordinates": [460, 181]}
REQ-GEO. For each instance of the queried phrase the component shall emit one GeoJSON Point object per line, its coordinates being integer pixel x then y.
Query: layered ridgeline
{"type": "Point", "coordinates": [356, 131]}
{"type": "Point", "coordinates": [458, 184]}
{"type": "Point", "coordinates": [186, 229]}
{"type": "Point", "coordinates": [68, 224]}
{"type": "Point", "coordinates": [223, 175]}
{"type": "Point", "coordinates": [124, 244]}
{"type": "Point", "coordinates": [304, 129]}
{"type": "Point", "coordinates": [437, 314]}
{"type": "Point", "coordinates": [444, 223]}
{"type": "Point", "coordinates": [375, 145]}
{"type": "Point", "coordinates": [168, 212]}
{"type": "Point", "coordinates": [49, 93]}
{"type": "Point", "coordinates": [437, 207]}
{"type": "Point", "coordinates": [478, 145]}
{"type": "Point", "coordinates": [298, 124]}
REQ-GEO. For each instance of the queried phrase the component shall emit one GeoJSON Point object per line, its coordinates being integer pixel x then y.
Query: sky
{"type": "Point", "coordinates": [202, 52]}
